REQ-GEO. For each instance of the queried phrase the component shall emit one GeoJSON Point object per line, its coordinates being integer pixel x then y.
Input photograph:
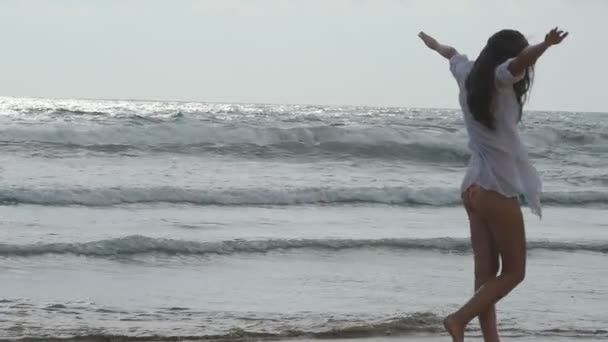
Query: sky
{"type": "Point", "coordinates": [333, 52]}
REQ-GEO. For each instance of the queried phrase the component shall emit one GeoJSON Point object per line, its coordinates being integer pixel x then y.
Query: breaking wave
{"type": "Point", "coordinates": [440, 197]}
{"type": "Point", "coordinates": [137, 245]}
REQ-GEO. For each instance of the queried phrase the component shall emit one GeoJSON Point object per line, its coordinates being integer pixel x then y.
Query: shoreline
{"type": "Point", "coordinates": [395, 338]}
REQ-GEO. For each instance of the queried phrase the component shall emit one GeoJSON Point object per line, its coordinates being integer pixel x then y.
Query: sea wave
{"type": "Point", "coordinates": [243, 140]}
{"type": "Point", "coordinates": [416, 323]}
{"type": "Point", "coordinates": [189, 133]}
{"type": "Point", "coordinates": [260, 134]}
{"type": "Point", "coordinates": [419, 323]}
{"type": "Point", "coordinates": [434, 153]}
{"type": "Point", "coordinates": [138, 245]}
{"type": "Point", "coordinates": [255, 196]}
{"type": "Point", "coordinates": [405, 196]}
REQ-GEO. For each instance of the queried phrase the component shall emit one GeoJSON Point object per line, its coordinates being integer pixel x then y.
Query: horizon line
{"type": "Point", "coordinates": [125, 99]}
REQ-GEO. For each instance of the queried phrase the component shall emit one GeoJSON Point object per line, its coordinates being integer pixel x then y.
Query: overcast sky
{"type": "Point", "coordinates": [359, 52]}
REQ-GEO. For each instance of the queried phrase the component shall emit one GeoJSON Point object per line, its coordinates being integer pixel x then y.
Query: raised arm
{"type": "Point", "coordinates": [532, 53]}
{"type": "Point", "coordinates": [444, 50]}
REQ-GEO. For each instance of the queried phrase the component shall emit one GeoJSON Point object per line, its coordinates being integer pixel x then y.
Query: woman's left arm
{"type": "Point", "coordinates": [444, 50]}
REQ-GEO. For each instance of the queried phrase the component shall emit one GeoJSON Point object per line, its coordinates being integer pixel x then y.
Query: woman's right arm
{"type": "Point", "coordinates": [532, 53]}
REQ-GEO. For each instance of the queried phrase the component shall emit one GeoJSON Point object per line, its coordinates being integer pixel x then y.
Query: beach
{"type": "Point", "coordinates": [165, 221]}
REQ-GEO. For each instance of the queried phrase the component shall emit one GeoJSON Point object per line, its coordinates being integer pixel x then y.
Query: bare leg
{"type": "Point", "coordinates": [504, 219]}
{"type": "Point", "coordinates": [486, 268]}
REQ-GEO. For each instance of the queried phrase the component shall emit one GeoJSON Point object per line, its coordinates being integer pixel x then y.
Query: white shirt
{"type": "Point", "coordinates": [499, 160]}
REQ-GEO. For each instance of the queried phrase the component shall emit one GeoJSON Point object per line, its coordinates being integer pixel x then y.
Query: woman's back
{"type": "Point", "coordinates": [499, 161]}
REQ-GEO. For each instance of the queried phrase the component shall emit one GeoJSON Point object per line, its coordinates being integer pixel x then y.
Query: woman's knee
{"type": "Point", "coordinates": [516, 276]}
{"type": "Point", "coordinates": [520, 275]}
{"type": "Point", "coordinates": [486, 272]}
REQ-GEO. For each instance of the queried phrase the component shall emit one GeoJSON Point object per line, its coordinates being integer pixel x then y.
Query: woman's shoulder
{"type": "Point", "coordinates": [460, 66]}
{"type": "Point", "coordinates": [503, 75]}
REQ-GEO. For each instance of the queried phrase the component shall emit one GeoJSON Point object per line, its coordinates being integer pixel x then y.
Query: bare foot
{"type": "Point", "coordinates": [454, 327]}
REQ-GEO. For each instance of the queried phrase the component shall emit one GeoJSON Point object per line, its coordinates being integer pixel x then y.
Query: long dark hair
{"type": "Point", "coordinates": [480, 84]}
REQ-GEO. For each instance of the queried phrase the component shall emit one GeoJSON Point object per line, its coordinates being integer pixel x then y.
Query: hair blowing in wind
{"type": "Point", "coordinates": [480, 84]}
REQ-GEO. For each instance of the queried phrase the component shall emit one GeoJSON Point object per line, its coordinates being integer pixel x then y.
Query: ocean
{"type": "Point", "coordinates": [142, 220]}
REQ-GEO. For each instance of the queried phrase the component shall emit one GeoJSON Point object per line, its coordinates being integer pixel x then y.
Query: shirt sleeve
{"type": "Point", "coordinates": [504, 77]}
{"type": "Point", "coordinates": [459, 66]}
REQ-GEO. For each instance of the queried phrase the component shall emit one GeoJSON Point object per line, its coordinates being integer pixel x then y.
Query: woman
{"type": "Point", "coordinates": [493, 90]}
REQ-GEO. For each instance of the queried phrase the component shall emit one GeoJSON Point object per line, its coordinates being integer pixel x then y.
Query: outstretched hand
{"type": "Point", "coordinates": [532, 53]}
{"type": "Point", "coordinates": [555, 36]}
{"type": "Point", "coordinates": [428, 40]}
{"type": "Point", "coordinates": [444, 50]}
